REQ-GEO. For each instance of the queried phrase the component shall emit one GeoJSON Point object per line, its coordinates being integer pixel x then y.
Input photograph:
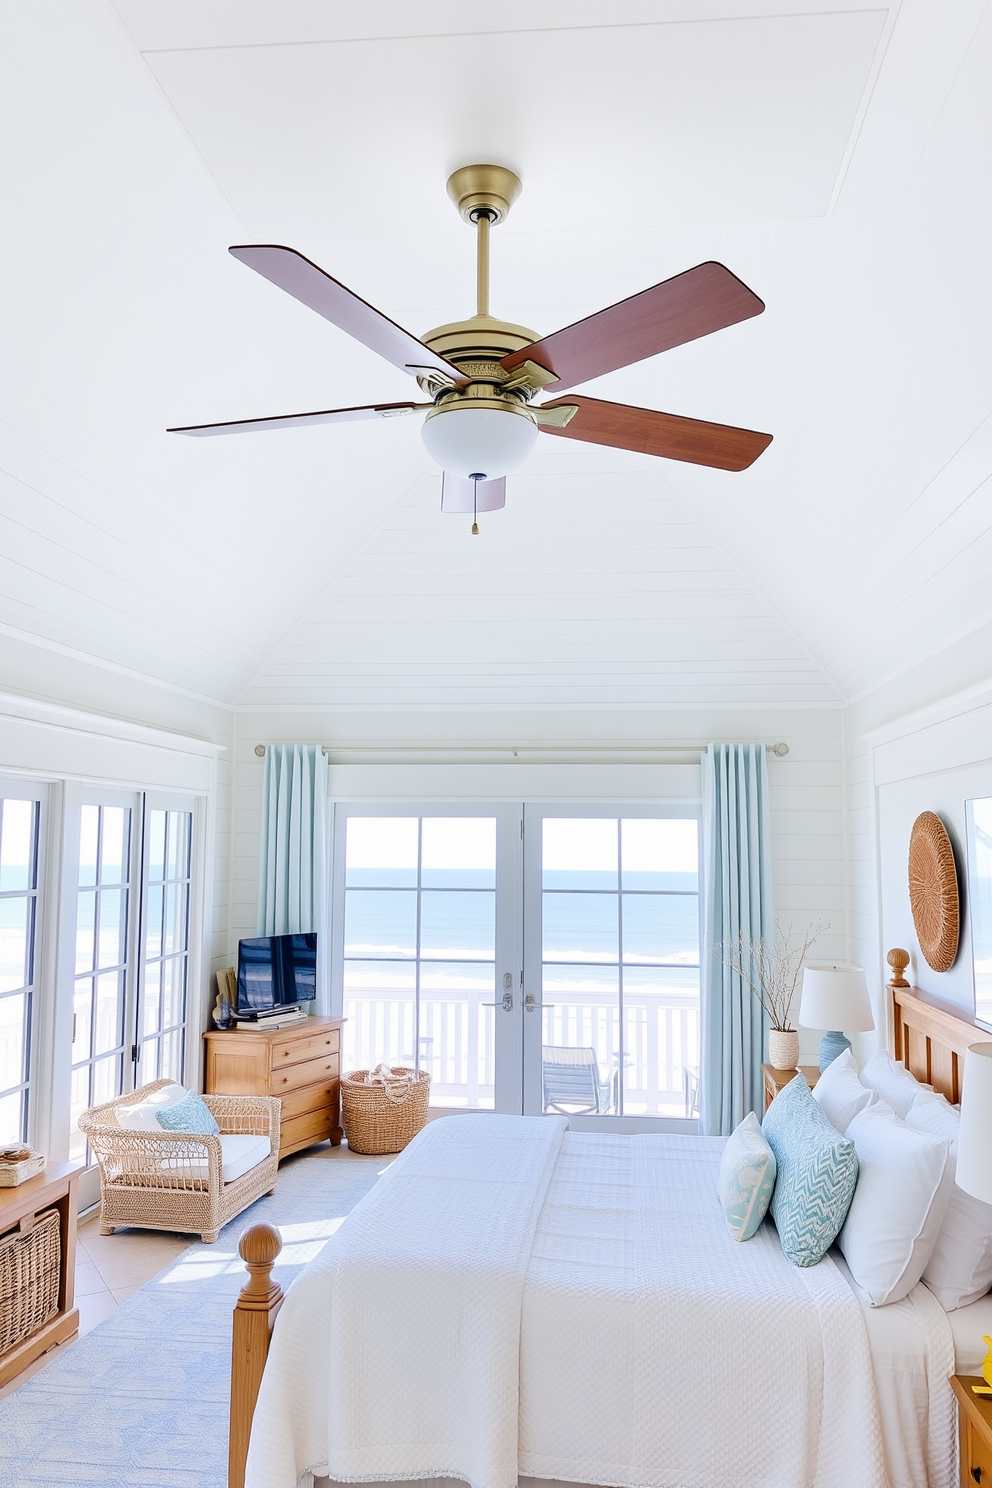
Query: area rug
{"type": "Point", "coordinates": [142, 1400]}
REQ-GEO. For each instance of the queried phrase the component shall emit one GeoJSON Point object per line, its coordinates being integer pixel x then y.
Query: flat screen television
{"type": "Point", "coordinates": [275, 971]}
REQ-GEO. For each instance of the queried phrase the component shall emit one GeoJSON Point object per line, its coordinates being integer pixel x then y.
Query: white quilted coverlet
{"type": "Point", "coordinates": [653, 1350]}
{"type": "Point", "coordinates": [396, 1352]}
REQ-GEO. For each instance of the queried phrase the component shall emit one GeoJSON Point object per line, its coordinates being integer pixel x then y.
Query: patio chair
{"type": "Point", "coordinates": [572, 1084]}
{"type": "Point", "coordinates": [170, 1180]}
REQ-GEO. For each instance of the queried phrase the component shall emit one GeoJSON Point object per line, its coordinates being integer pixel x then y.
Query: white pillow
{"type": "Point", "coordinates": [960, 1269]}
{"type": "Point", "coordinates": [141, 1116]}
{"type": "Point", "coordinates": [893, 1082]}
{"type": "Point", "coordinates": [840, 1091]}
{"type": "Point", "coordinates": [904, 1184]}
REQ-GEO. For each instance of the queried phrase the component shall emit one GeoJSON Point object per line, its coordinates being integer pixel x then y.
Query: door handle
{"type": "Point", "coordinates": [531, 1006]}
{"type": "Point", "coordinates": [506, 1004]}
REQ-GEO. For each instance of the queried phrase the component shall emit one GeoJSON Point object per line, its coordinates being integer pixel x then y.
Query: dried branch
{"type": "Point", "coordinates": [772, 969]}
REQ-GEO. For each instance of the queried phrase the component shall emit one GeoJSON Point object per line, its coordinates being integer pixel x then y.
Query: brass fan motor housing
{"type": "Point", "coordinates": [475, 347]}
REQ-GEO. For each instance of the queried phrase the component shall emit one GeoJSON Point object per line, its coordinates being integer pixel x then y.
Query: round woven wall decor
{"type": "Point", "coordinates": [933, 891]}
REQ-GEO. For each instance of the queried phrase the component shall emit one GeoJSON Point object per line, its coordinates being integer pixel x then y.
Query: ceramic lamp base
{"type": "Point", "coordinates": [831, 1045]}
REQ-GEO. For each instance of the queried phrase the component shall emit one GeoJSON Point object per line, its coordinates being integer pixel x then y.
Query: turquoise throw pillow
{"type": "Point", "coordinates": [817, 1172]}
{"type": "Point", "coordinates": [190, 1114]}
{"type": "Point", "coordinates": [747, 1177]}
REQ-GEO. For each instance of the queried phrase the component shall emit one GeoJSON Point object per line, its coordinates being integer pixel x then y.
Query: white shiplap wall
{"type": "Point", "coordinates": [919, 743]}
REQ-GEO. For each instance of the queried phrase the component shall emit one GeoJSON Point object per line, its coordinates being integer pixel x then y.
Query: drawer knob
{"type": "Point", "coordinates": [976, 1473]}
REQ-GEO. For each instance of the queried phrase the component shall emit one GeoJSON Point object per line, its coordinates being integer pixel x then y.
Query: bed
{"type": "Point", "coordinates": [515, 1302]}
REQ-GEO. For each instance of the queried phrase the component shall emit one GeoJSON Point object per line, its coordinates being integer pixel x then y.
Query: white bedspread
{"type": "Point", "coordinates": [396, 1353]}
{"type": "Point", "coordinates": [633, 1288]}
{"type": "Point", "coordinates": [655, 1350]}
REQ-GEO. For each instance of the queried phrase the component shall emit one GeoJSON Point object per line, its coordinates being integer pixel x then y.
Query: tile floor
{"type": "Point", "coordinates": [109, 1268]}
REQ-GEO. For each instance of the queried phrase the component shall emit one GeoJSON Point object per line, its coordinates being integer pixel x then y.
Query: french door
{"type": "Point", "coordinates": [127, 874]}
{"type": "Point", "coordinates": [532, 958]}
{"type": "Point", "coordinates": [425, 940]}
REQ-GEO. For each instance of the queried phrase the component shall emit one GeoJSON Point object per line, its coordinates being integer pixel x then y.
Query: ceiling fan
{"type": "Point", "coordinates": [480, 375]}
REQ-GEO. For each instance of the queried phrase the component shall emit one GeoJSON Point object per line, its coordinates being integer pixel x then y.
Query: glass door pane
{"type": "Point", "coordinates": [19, 827]}
{"type": "Point", "coordinates": [419, 949]}
{"type": "Point", "coordinates": [102, 958]}
{"type": "Point", "coordinates": [161, 1021]}
{"type": "Point", "coordinates": [612, 954]}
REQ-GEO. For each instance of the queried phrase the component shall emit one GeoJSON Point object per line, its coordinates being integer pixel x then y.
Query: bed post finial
{"type": "Point", "coordinates": [254, 1313]}
{"type": "Point", "coordinates": [898, 960]}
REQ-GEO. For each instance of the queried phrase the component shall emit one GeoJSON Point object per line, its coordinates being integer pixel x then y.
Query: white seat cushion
{"type": "Point", "coordinates": [242, 1151]}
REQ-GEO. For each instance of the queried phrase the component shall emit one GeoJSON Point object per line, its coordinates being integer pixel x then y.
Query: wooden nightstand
{"type": "Point", "coordinates": [975, 1421]}
{"type": "Point", "coordinates": [776, 1079]}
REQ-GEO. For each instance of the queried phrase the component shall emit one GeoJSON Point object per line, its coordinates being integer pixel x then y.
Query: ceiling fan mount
{"type": "Point", "coordinates": [488, 371]}
{"type": "Point", "coordinates": [484, 189]}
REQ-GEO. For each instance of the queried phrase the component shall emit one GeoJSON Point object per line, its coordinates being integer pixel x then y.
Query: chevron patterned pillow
{"type": "Point", "coordinates": [817, 1172]}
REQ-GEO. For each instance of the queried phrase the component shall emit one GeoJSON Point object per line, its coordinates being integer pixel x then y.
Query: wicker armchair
{"type": "Point", "coordinates": [170, 1180]}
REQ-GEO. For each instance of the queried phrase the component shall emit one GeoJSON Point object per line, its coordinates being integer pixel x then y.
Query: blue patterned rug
{"type": "Point", "coordinates": [142, 1400]}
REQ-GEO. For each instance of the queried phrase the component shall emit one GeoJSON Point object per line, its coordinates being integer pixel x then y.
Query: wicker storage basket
{"type": "Point", "coordinates": [29, 1279]}
{"type": "Point", "coordinates": [373, 1121]}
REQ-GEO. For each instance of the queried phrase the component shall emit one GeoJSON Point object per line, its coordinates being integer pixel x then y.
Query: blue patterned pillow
{"type": "Point", "coordinates": [190, 1114]}
{"type": "Point", "coordinates": [817, 1172]}
{"type": "Point", "coordinates": [747, 1177]}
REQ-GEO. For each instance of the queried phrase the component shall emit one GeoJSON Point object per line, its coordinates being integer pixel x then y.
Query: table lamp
{"type": "Point", "coordinates": [834, 997]}
{"type": "Point", "coordinates": [974, 1169]}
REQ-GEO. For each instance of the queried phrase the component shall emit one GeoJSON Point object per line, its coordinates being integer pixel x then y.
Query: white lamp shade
{"type": "Point", "coordinates": [835, 997]}
{"type": "Point", "coordinates": [974, 1170]}
{"type": "Point", "coordinates": [488, 442]}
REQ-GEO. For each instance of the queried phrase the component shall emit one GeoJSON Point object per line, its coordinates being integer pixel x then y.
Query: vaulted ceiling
{"type": "Point", "coordinates": [836, 159]}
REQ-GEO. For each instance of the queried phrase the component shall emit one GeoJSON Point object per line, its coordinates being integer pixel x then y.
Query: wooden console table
{"type": "Point", "coordinates": [53, 1188]}
{"type": "Point", "coordinates": [299, 1064]}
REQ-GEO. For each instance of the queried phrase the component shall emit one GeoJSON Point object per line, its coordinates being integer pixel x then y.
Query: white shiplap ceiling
{"type": "Point", "coordinates": [833, 157]}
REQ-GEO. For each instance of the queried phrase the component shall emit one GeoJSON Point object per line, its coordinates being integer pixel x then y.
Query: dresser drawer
{"type": "Point", "coordinates": [312, 1126]}
{"type": "Point", "coordinates": [295, 1051]}
{"type": "Point", "coordinates": [977, 1467]}
{"type": "Point", "coordinates": [322, 1096]}
{"type": "Point", "coordinates": [313, 1072]}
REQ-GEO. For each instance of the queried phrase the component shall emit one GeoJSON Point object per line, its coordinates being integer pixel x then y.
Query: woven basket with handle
{"type": "Point", "coordinates": [383, 1117]}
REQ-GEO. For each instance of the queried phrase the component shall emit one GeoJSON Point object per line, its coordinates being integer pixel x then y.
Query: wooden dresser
{"type": "Point", "coordinates": [301, 1065]}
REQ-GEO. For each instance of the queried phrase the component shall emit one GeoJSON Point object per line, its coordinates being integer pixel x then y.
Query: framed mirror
{"type": "Point", "coordinates": [979, 827]}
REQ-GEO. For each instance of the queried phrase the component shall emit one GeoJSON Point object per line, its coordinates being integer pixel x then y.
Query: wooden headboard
{"type": "Point", "coordinates": [929, 1037]}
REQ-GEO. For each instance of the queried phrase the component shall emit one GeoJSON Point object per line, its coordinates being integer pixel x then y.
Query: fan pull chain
{"type": "Point", "coordinates": [475, 479]}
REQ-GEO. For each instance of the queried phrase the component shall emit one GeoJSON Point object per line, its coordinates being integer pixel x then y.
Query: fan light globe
{"type": "Point", "coordinates": [488, 442]}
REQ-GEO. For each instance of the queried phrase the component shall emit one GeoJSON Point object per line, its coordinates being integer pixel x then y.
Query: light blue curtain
{"type": "Point", "coordinates": [292, 881]}
{"type": "Point", "coordinates": [737, 879]}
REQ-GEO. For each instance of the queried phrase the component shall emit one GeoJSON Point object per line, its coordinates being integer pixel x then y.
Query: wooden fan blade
{"type": "Point", "coordinates": [664, 434]}
{"type": "Point", "coordinates": [307, 283]}
{"type": "Point", "coordinates": [693, 304]}
{"type": "Point", "coordinates": [301, 420]}
{"type": "Point", "coordinates": [457, 494]}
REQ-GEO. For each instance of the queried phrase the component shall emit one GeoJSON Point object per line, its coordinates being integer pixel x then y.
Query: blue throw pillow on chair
{"type": "Point", "coordinates": [191, 1114]}
{"type": "Point", "coordinates": [817, 1173]}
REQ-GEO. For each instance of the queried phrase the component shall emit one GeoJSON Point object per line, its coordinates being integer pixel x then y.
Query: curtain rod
{"type": "Point", "coordinates": [690, 747]}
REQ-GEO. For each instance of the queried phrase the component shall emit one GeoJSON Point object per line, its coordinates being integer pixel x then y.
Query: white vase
{"type": "Point", "coordinates": [783, 1048]}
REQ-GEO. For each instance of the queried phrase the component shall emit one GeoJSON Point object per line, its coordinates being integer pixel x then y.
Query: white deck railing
{"type": "Point", "coordinates": [457, 1042]}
